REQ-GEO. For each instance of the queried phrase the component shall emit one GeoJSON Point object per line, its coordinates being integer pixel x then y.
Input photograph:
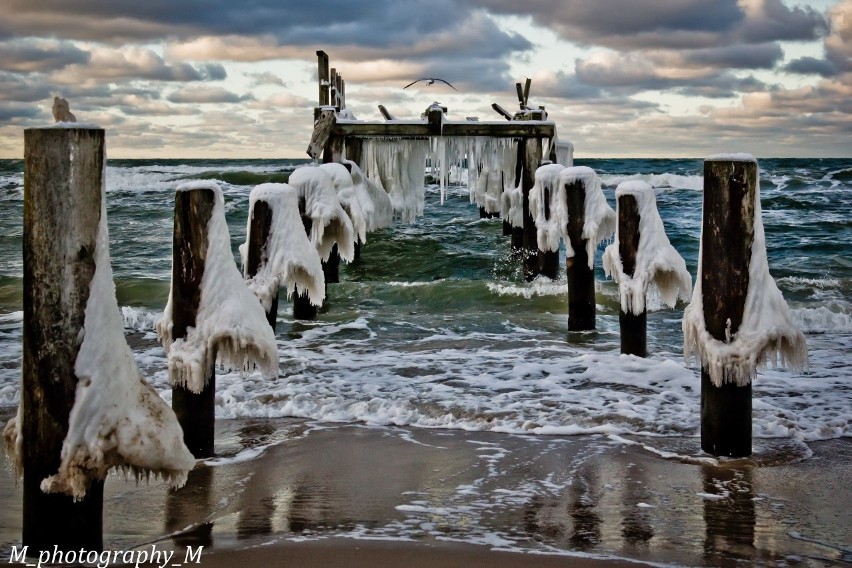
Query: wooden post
{"type": "Point", "coordinates": [634, 328]}
{"type": "Point", "coordinates": [727, 233]}
{"type": "Point", "coordinates": [581, 278]}
{"type": "Point", "coordinates": [261, 223]}
{"type": "Point", "coordinates": [194, 411]}
{"type": "Point", "coordinates": [354, 149]}
{"type": "Point", "coordinates": [535, 261]}
{"type": "Point", "coordinates": [302, 306]}
{"type": "Point", "coordinates": [322, 78]}
{"type": "Point", "coordinates": [62, 206]}
{"type": "Point", "coordinates": [518, 232]}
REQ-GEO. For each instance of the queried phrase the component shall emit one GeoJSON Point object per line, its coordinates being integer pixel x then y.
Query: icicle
{"type": "Point", "coordinates": [767, 332]}
{"type": "Point", "coordinates": [659, 267]}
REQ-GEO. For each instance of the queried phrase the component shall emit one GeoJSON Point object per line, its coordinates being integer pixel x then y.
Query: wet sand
{"type": "Point", "coordinates": [292, 493]}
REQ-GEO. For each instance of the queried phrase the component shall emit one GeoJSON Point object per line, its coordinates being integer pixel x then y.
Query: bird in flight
{"type": "Point", "coordinates": [429, 81]}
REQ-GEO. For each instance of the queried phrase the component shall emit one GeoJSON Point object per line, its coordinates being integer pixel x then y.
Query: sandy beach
{"type": "Point", "coordinates": [294, 493]}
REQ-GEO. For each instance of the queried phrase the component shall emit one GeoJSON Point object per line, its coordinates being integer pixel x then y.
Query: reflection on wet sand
{"type": "Point", "coordinates": [272, 482]}
{"type": "Point", "coordinates": [188, 510]}
{"type": "Point", "coordinates": [636, 522]}
{"type": "Point", "coordinates": [729, 516]}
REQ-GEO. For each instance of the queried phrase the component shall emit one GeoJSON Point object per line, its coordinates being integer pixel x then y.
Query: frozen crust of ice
{"type": "Point", "coordinates": [766, 334]}
{"type": "Point", "coordinates": [659, 267]}
{"type": "Point", "coordinates": [230, 330]}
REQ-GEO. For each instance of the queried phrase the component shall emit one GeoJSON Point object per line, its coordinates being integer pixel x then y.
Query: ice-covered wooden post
{"type": "Point", "coordinates": [738, 319]}
{"type": "Point", "coordinates": [633, 327]}
{"type": "Point", "coordinates": [727, 233]}
{"type": "Point", "coordinates": [590, 220]}
{"type": "Point", "coordinates": [581, 277]}
{"type": "Point", "coordinates": [325, 221]}
{"type": "Point", "coordinates": [260, 222]}
{"type": "Point", "coordinates": [211, 318]}
{"type": "Point", "coordinates": [63, 169]}
{"type": "Point", "coordinates": [642, 258]}
{"type": "Point", "coordinates": [195, 410]}
{"type": "Point", "coordinates": [535, 261]}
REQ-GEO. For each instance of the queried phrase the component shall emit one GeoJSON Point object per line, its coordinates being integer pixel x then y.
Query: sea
{"type": "Point", "coordinates": [433, 340]}
{"type": "Point", "coordinates": [434, 325]}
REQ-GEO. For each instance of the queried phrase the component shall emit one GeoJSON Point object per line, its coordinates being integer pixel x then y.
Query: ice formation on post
{"type": "Point", "coordinates": [497, 158]}
{"type": "Point", "coordinates": [230, 330]}
{"type": "Point", "coordinates": [767, 332]}
{"type": "Point", "coordinates": [599, 221]}
{"type": "Point", "coordinates": [399, 166]}
{"type": "Point", "coordinates": [354, 199]}
{"type": "Point", "coordinates": [659, 267]}
{"type": "Point", "coordinates": [548, 208]}
{"type": "Point", "coordinates": [118, 420]}
{"type": "Point", "coordinates": [330, 223]}
{"type": "Point", "coordinates": [375, 203]}
{"type": "Point", "coordinates": [290, 260]}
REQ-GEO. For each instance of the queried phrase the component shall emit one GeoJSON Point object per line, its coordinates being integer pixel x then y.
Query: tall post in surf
{"type": "Point", "coordinates": [303, 309]}
{"type": "Point", "coordinates": [261, 223]}
{"type": "Point", "coordinates": [727, 235]}
{"type": "Point", "coordinates": [634, 328]}
{"type": "Point", "coordinates": [63, 192]}
{"type": "Point", "coordinates": [581, 278]}
{"type": "Point", "coordinates": [195, 411]}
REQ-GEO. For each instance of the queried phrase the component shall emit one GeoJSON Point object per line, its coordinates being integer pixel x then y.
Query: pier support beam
{"type": "Point", "coordinates": [581, 278]}
{"type": "Point", "coordinates": [194, 411]}
{"type": "Point", "coordinates": [634, 328]}
{"type": "Point", "coordinates": [302, 307]}
{"type": "Point", "coordinates": [62, 206]}
{"type": "Point", "coordinates": [261, 223]}
{"type": "Point", "coordinates": [727, 233]}
{"type": "Point", "coordinates": [535, 262]}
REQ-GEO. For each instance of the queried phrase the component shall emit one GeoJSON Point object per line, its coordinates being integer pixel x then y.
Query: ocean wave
{"type": "Point", "coordinates": [539, 287]}
{"type": "Point", "coordinates": [657, 181]}
{"type": "Point", "coordinates": [832, 318]}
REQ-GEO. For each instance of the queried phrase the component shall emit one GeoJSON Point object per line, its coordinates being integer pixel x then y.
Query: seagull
{"type": "Point", "coordinates": [429, 81]}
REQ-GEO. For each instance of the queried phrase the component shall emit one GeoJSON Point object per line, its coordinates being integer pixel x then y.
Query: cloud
{"type": "Point", "coordinates": [266, 78]}
{"type": "Point", "coordinates": [207, 94]}
{"type": "Point", "coordinates": [130, 63]}
{"type": "Point", "coordinates": [668, 24]}
{"type": "Point", "coordinates": [33, 54]}
{"type": "Point", "coordinates": [837, 45]}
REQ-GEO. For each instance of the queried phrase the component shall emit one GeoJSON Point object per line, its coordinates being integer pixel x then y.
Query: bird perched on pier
{"type": "Point", "coordinates": [430, 81]}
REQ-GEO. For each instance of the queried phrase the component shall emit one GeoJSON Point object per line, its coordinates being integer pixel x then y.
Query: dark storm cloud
{"type": "Point", "coordinates": [28, 55]}
{"type": "Point", "coordinates": [11, 111]}
{"type": "Point", "coordinates": [759, 56]}
{"type": "Point", "coordinates": [378, 24]}
{"type": "Point", "coordinates": [14, 87]}
{"type": "Point", "coordinates": [667, 24]}
{"type": "Point", "coordinates": [811, 66]}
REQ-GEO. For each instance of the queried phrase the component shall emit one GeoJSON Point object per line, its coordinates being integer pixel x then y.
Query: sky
{"type": "Point", "coordinates": [620, 78]}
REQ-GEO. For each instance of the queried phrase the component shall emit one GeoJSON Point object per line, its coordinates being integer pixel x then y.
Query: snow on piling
{"type": "Point", "coordinates": [641, 260]}
{"type": "Point", "coordinates": [738, 319]}
{"type": "Point", "coordinates": [85, 408]}
{"type": "Point", "coordinates": [277, 252]}
{"type": "Point", "coordinates": [567, 205]}
{"type": "Point", "coordinates": [211, 318]}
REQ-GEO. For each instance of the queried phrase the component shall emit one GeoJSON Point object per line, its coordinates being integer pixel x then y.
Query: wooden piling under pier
{"type": "Point", "coordinates": [261, 223]}
{"type": "Point", "coordinates": [581, 278]}
{"type": "Point", "coordinates": [634, 327]}
{"type": "Point", "coordinates": [63, 191]}
{"type": "Point", "coordinates": [727, 236]}
{"type": "Point", "coordinates": [303, 309]}
{"type": "Point", "coordinates": [195, 411]}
